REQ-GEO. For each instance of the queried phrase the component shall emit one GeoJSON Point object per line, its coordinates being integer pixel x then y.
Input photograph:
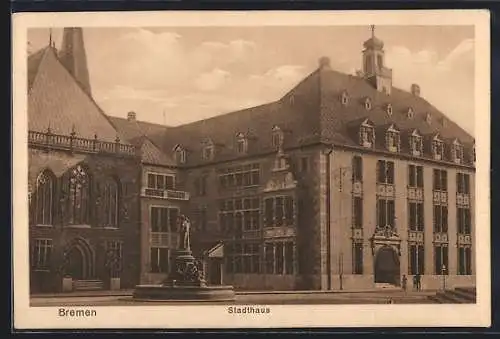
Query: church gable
{"type": "Point", "coordinates": [57, 101]}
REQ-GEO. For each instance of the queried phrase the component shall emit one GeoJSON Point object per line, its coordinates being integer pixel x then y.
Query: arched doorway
{"type": "Point", "coordinates": [80, 260]}
{"type": "Point", "coordinates": [387, 266]}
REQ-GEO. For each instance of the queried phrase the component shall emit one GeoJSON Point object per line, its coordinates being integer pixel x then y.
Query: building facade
{"type": "Point", "coordinates": [83, 180]}
{"type": "Point", "coordinates": [346, 182]}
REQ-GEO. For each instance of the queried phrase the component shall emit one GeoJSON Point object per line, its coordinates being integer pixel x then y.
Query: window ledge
{"type": "Point", "coordinates": [43, 225]}
{"type": "Point", "coordinates": [111, 228]}
{"type": "Point", "coordinates": [77, 226]}
{"type": "Point", "coordinates": [41, 270]}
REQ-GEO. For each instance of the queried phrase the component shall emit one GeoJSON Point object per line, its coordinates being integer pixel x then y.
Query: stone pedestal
{"type": "Point", "coordinates": [114, 284]}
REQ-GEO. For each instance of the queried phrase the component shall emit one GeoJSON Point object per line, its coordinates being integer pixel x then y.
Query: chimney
{"type": "Point", "coordinates": [415, 90]}
{"type": "Point", "coordinates": [131, 116]}
{"type": "Point", "coordinates": [324, 62]}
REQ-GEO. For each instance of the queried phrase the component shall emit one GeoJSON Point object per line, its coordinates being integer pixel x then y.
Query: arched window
{"type": "Point", "coordinates": [44, 193]}
{"type": "Point", "coordinates": [79, 196]}
{"type": "Point", "coordinates": [110, 196]}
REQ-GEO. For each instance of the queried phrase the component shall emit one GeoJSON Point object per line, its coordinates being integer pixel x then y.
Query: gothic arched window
{"type": "Point", "coordinates": [44, 193]}
{"type": "Point", "coordinates": [79, 196]}
{"type": "Point", "coordinates": [109, 203]}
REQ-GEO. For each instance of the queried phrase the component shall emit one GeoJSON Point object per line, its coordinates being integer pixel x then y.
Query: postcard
{"type": "Point", "coordinates": [240, 169]}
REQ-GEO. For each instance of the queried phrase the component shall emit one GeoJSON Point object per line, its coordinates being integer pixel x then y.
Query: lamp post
{"type": "Point", "coordinates": [443, 273]}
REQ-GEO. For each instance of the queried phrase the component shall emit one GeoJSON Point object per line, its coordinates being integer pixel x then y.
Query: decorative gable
{"type": "Point", "coordinates": [208, 149]}
{"type": "Point", "coordinates": [277, 137]}
{"type": "Point", "coordinates": [416, 143]}
{"type": "Point", "coordinates": [282, 177]}
{"type": "Point", "coordinates": [392, 139]}
{"type": "Point", "coordinates": [437, 147]}
{"type": "Point", "coordinates": [367, 134]}
{"type": "Point", "coordinates": [180, 154]}
{"type": "Point", "coordinates": [457, 151]}
{"type": "Point", "coordinates": [241, 143]}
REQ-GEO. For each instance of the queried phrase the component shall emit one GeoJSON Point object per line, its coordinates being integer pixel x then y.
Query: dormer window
{"type": "Point", "coordinates": [388, 109]}
{"type": "Point", "coordinates": [180, 154]}
{"type": "Point", "coordinates": [437, 148]}
{"type": "Point", "coordinates": [416, 144]}
{"type": "Point", "coordinates": [428, 118]}
{"type": "Point", "coordinates": [367, 134]}
{"type": "Point", "coordinates": [344, 98]}
{"type": "Point", "coordinates": [410, 113]}
{"type": "Point", "coordinates": [241, 143]}
{"type": "Point", "coordinates": [208, 150]}
{"type": "Point", "coordinates": [368, 104]}
{"type": "Point", "coordinates": [277, 137]}
{"type": "Point", "coordinates": [392, 140]}
{"type": "Point", "coordinates": [457, 151]}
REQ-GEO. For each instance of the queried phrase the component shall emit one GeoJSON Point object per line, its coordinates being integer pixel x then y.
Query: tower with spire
{"type": "Point", "coordinates": [73, 56]}
{"type": "Point", "coordinates": [374, 70]}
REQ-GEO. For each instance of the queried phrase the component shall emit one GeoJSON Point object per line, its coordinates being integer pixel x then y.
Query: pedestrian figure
{"type": "Point", "coordinates": [418, 281]}
{"type": "Point", "coordinates": [403, 282]}
{"type": "Point", "coordinates": [415, 282]}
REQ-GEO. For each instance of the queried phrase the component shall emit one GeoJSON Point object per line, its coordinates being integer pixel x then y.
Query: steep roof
{"type": "Point", "coordinates": [312, 112]}
{"type": "Point", "coordinates": [57, 101]}
{"type": "Point", "coordinates": [147, 136]}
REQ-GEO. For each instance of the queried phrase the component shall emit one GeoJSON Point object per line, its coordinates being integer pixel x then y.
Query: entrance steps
{"type": "Point", "coordinates": [458, 295]}
{"type": "Point", "coordinates": [88, 285]}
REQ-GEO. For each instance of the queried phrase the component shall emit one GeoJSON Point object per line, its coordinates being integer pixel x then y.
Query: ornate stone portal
{"type": "Point", "coordinates": [186, 282]}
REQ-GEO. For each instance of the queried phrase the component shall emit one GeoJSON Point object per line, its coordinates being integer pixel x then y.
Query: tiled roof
{"type": "Point", "coordinates": [311, 112]}
{"type": "Point", "coordinates": [56, 100]}
{"type": "Point", "coordinates": [147, 136]}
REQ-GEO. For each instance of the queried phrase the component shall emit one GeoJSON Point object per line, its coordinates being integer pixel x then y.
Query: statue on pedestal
{"type": "Point", "coordinates": [185, 229]}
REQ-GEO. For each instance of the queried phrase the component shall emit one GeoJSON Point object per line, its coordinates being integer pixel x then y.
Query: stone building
{"type": "Point", "coordinates": [83, 179]}
{"type": "Point", "coordinates": [345, 182]}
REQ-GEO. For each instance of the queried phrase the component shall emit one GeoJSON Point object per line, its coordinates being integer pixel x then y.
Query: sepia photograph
{"type": "Point", "coordinates": [251, 167]}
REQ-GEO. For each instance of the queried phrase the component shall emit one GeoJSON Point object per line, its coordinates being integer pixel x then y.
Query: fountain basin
{"type": "Point", "coordinates": [184, 293]}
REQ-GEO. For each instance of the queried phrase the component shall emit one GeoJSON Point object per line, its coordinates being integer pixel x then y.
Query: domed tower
{"type": "Point", "coordinates": [374, 70]}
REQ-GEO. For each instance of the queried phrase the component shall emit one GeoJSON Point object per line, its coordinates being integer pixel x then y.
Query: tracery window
{"type": "Point", "coordinates": [109, 201]}
{"type": "Point", "coordinates": [79, 196]}
{"type": "Point", "coordinates": [44, 199]}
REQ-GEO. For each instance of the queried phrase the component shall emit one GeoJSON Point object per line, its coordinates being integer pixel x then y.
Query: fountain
{"type": "Point", "coordinates": [186, 282]}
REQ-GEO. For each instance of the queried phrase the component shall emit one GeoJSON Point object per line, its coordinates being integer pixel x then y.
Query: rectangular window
{"type": "Point", "coordinates": [289, 258]}
{"type": "Point", "coordinates": [202, 219]}
{"type": "Point", "coordinates": [463, 220]}
{"type": "Point", "coordinates": [463, 183]}
{"type": "Point", "coordinates": [440, 219]}
{"type": "Point", "coordinates": [416, 216]}
{"type": "Point", "coordinates": [279, 211]}
{"type": "Point", "coordinates": [161, 181]}
{"type": "Point", "coordinates": [278, 258]}
{"type": "Point", "coordinates": [357, 212]}
{"type": "Point", "coordinates": [385, 172]}
{"type": "Point", "coordinates": [239, 177]}
{"type": "Point", "coordinates": [357, 258]}
{"type": "Point", "coordinates": [240, 214]}
{"type": "Point", "coordinates": [42, 254]}
{"type": "Point", "coordinates": [159, 259]}
{"type": "Point", "coordinates": [163, 219]}
{"type": "Point", "coordinates": [464, 264]}
{"type": "Point", "coordinates": [289, 210]}
{"type": "Point", "coordinates": [416, 259]}
{"type": "Point", "coordinates": [357, 168]}
{"type": "Point", "coordinates": [415, 176]}
{"type": "Point", "coordinates": [441, 259]}
{"type": "Point", "coordinates": [440, 180]}
{"type": "Point", "coordinates": [269, 258]}
{"type": "Point", "coordinates": [385, 213]}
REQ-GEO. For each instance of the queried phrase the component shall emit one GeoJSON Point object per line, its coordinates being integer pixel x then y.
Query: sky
{"type": "Point", "coordinates": [177, 75]}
